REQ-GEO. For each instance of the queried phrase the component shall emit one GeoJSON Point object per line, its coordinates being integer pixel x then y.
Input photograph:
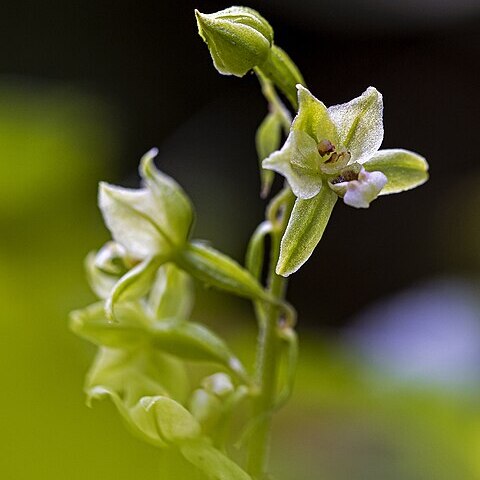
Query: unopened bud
{"type": "Point", "coordinates": [238, 38]}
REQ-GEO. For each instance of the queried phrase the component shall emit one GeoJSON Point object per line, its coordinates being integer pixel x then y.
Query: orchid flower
{"type": "Point", "coordinates": [334, 152]}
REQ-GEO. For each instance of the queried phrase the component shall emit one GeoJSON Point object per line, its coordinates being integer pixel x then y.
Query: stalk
{"type": "Point", "coordinates": [268, 343]}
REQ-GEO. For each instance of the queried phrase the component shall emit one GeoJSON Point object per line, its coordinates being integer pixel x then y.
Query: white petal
{"type": "Point", "coordinates": [135, 219]}
{"type": "Point", "coordinates": [361, 192]}
{"type": "Point", "coordinates": [298, 162]}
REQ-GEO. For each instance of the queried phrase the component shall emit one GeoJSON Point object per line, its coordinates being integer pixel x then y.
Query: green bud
{"type": "Point", "coordinates": [175, 423]}
{"type": "Point", "coordinates": [238, 38]}
{"type": "Point", "coordinates": [206, 408]}
{"type": "Point", "coordinates": [219, 384]}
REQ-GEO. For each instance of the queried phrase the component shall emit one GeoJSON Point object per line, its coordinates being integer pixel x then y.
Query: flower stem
{"type": "Point", "coordinates": [268, 342]}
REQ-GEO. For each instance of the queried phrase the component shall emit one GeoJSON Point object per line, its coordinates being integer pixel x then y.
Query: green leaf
{"type": "Point", "coordinates": [304, 230]}
{"type": "Point", "coordinates": [192, 341]}
{"type": "Point", "coordinates": [360, 124]}
{"type": "Point", "coordinates": [280, 69]}
{"type": "Point", "coordinates": [218, 270]}
{"type": "Point", "coordinates": [172, 294]}
{"type": "Point", "coordinates": [134, 284]}
{"type": "Point", "coordinates": [267, 140]}
{"type": "Point", "coordinates": [404, 170]}
{"type": "Point", "coordinates": [238, 38]}
{"type": "Point", "coordinates": [129, 331]}
{"type": "Point", "coordinates": [298, 161]}
{"type": "Point", "coordinates": [313, 118]}
{"type": "Point", "coordinates": [169, 197]}
{"type": "Point", "coordinates": [214, 464]}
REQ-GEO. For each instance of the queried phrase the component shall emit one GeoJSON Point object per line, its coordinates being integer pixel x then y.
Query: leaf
{"type": "Point", "coordinates": [304, 230]}
{"type": "Point", "coordinates": [360, 124]}
{"type": "Point", "coordinates": [404, 170]}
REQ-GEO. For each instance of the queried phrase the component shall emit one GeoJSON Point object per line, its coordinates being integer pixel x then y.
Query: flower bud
{"type": "Point", "coordinates": [219, 384]}
{"type": "Point", "coordinates": [238, 39]}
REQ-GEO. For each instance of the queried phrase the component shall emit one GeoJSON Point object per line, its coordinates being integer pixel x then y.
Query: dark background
{"type": "Point", "coordinates": [146, 63]}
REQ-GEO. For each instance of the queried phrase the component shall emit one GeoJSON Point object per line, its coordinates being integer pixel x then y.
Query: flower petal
{"type": "Point", "coordinates": [313, 118]}
{"type": "Point", "coordinates": [134, 284]}
{"type": "Point", "coordinates": [172, 294]}
{"type": "Point", "coordinates": [169, 197]}
{"type": "Point", "coordinates": [404, 170]}
{"type": "Point", "coordinates": [298, 162]}
{"type": "Point", "coordinates": [135, 219]}
{"type": "Point", "coordinates": [359, 193]}
{"type": "Point", "coordinates": [304, 230]}
{"type": "Point", "coordinates": [360, 124]}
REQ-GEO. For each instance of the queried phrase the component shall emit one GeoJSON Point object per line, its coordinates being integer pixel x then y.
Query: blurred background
{"type": "Point", "coordinates": [389, 305]}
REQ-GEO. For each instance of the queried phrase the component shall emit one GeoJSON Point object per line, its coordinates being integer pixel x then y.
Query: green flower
{"type": "Point", "coordinates": [149, 226]}
{"type": "Point", "coordinates": [334, 152]}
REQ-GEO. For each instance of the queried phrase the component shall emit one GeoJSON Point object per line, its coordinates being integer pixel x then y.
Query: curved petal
{"type": "Point", "coordinates": [404, 170]}
{"type": "Point", "coordinates": [313, 118]}
{"type": "Point", "coordinates": [361, 192]}
{"type": "Point", "coordinates": [134, 284]}
{"type": "Point", "coordinates": [360, 124]}
{"type": "Point", "coordinates": [298, 161]}
{"type": "Point", "coordinates": [169, 198]}
{"type": "Point", "coordinates": [134, 219]}
{"type": "Point", "coordinates": [304, 230]}
{"type": "Point", "coordinates": [172, 294]}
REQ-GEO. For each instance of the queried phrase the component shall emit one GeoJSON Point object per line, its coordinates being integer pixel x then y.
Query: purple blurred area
{"type": "Point", "coordinates": [427, 336]}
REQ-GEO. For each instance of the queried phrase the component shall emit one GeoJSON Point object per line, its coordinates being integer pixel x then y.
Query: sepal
{"type": "Point", "coordinates": [304, 230]}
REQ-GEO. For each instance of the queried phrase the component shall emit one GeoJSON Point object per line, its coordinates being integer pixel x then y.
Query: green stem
{"type": "Point", "coordinates": [268, 343]}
